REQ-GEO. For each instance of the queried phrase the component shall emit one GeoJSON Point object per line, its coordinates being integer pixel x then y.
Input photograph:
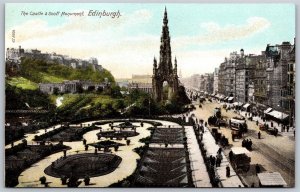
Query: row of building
{"type": "Point", "coordinates": [14, 55]}
{"type": "Point", "coordinates": [74, 86]}
{"type": "Point", "coordinates": [266, 80]}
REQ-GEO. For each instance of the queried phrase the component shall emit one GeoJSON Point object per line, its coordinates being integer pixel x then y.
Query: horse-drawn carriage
{"type": "Point", "coordinates": [267, 128]}
{"type": "Point", "coordinates": [238, 127]}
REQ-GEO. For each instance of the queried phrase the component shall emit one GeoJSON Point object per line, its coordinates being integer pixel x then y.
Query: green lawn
{"type": "Point", "coordinates": [23, 83]}
{"type": "Point", "coordinates": [95, 99]}
{"type": "Point", "coordinates": [46, 78]}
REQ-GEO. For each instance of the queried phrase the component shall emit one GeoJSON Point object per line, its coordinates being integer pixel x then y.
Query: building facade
{"type": "Point", "coordinates": [216, 81]}
{"type": "Point", "coordinates": [14, 56]}
{"type": "Point", "coordinates": [145, 87]}
{"type": "Point", "coordinates": [73, 86]}
{"type": "Point", "coordinates": [265, 81]}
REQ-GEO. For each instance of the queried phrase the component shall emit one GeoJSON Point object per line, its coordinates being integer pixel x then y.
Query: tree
{"type": "Point", "coordinates": [115, 91]}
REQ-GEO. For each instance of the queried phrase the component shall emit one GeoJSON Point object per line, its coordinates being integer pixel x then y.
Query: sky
{"type": "Point", "coordinates": [202, 35]}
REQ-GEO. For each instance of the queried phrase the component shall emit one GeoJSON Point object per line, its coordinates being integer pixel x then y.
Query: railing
{"type": "Point", "coordinates": [26, 111]}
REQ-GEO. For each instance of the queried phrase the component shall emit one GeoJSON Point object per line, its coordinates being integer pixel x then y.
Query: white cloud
{"type": "Point", "coordinates": [39, 29]}
{"type": "Point", "coordinates": [214, 33]}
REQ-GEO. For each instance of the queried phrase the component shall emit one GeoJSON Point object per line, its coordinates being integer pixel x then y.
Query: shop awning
{"type": "Point", "coordinates": [268, 110]}
{"type": "Point", "coordinates": [271, 179]}
{"type": "Point", "coordinates": [237, 103]}
{"type": "Point", "coordinates": [278, 114]}
{"type": "Point", "coordinates": [230, 98]}
{"type": "Point", "coordinates": [239, 150]}
{"type": "Point", "coordinates": [246, 105]}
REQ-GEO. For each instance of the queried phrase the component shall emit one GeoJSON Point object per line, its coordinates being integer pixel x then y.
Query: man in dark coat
{"type": "Point", "coordinates": [227, 171]}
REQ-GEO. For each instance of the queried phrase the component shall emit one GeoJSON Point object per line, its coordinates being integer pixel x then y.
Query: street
{"type": "Point", "coordinates": [271, 153]}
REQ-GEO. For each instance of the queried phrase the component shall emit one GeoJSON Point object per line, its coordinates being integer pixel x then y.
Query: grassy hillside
{"type": "Point", "coordinates": [17, 98]}
{"type": "Point", "coordinates": [82, 105]}
{"type": "Point", "coordinates": [22, 83]}
{"type": "Point", "coordinates": [40, 71]}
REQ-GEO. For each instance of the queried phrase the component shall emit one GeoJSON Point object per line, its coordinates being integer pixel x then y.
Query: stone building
{"type": "Point", "coordinates": [281, 78]}
{"type": "Point", "coordinates": [73, 86]}
{"type": "Point", "coordinates": [278, 57]}
{"type": "Point", "coordinates": [221, 78]}
{"type": "Point", "coordinates": [206, 83]}
{"type": "Point", "coordinates": [145, 87]}
{"type": "Point", "coordinates": [215, 85]}
{"type": "Point", "coordinates": [227, 75]}
{"type": "Point", "coordinates": [13, 56]}
{"type": "Point", "coordinates": [245, 73]}
{"type": "Point", "coordinates": [291, 85]}
{"type": "Point", "coordinates": [265, 81]}
{"type": "Point", "coordinates": [260, 82]}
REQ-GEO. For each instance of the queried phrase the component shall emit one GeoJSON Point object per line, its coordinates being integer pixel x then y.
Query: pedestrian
{"type": "Point", "coordinates": [256, 122]}
{"type": "Point", "coordinates": [287, 128]}
{"type": "Point", "coordinates": [232, 136]}
{"type": "Point", "coordinates": [218, 162]}
{"type": "Point", "coordinates": [253, 185]}
{"type": "Point", "coordinates": [201, 136]}
{"type": "Point", "coordinates": [259, 134]}
{"type": "Point", "coordinates": [227, 171]}
{"type": "Point", "coordinates": [230, 155]}
{"type": "Point", "coordinates": [213, 161]}
{"type": "Point", "coordinates": [219, 150]}
{"type": "Point", "coordinates": [243, 143]}
{"type": "Point", "coordinates": [250, 145]}
{"type": "Point", "coordinates": [294, 132]}
{"type": "Point", "coordinates": [257, 168]}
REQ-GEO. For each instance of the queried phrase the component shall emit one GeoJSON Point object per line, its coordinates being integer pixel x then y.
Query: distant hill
{"type": "Point", "coordinates": [40, 71]}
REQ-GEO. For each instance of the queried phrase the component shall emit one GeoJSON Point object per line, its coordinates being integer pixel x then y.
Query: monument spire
{"type": "Point", "coordinates": [165, 60]}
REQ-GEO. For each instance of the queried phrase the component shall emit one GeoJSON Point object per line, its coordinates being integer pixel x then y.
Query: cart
{"type": "Point", "coordinates": [262, 127]}
{"type": "Point", "coordinates": [240, 159]}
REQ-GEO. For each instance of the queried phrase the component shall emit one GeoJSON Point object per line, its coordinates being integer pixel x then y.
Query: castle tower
{"type": "Point", "coordinates": [164, 71]}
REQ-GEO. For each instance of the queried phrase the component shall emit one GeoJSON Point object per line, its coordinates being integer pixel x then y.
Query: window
{"type": "Point", "coordinates": [291, 78]}
{"type": "Point", "coordinates": [291, 67]}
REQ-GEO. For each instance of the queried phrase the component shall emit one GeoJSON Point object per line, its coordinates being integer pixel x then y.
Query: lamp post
{"type": "Point", "coordinates": [280, 105]}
